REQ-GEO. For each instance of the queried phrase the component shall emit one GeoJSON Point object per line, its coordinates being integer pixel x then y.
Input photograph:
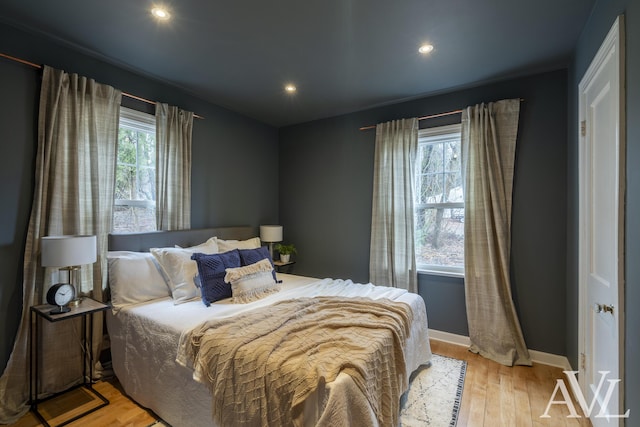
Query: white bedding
{"type": "Point", "coordinates": [145, 336]}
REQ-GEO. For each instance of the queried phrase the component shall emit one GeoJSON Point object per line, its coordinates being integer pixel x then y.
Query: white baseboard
{"type": "Point", "coordinates": [450, 338]}
{"type": "Point", "coordinates": [550, 359]}
{"type": "Point", "coordinates": [536, 356]}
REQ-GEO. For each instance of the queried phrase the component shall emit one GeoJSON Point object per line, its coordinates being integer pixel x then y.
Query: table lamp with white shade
{"type": "Point", "coordinates": [271, 234]}
{"type": "Point", "coordinates": [69, 253]}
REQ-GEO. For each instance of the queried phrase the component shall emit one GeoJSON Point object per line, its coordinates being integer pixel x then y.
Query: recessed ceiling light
{"type": "Point", "coordinates": [289, 88]}
{"type": "Point", "coordinates": [425, 48]}
{"type": "Point", "coordinates": [160, 13]}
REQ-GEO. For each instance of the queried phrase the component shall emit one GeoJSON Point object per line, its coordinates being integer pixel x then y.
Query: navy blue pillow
{"type": "Point", "coordinates": [212, 269]}
{"type": "Point", "coordinates": [251, 256]}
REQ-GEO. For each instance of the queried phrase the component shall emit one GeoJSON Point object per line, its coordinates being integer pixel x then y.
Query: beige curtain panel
{"type": "Point", "coordinates": [489, 135]}
{"type": "Point", "coordinates": [75, 167]}
{"type": "Point", "coordinates": [392, 259]}
{"type": "Point", "coordinates": [173, 167]}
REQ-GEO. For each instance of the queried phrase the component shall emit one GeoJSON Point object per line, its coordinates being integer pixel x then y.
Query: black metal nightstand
{"type": "Point", "coordinates": [283, 267]}
{"type": "Point", "coordinates": [86, 309]}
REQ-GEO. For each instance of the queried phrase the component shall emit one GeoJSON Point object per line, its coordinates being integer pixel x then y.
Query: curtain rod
{"type": "Point", "coordinates": [432, 116]}
{"type": "Point", "coordinates": [38, 66]}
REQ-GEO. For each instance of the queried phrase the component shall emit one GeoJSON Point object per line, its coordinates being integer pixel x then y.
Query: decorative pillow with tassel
{"type": "Point", "coordinates": [251, 282]}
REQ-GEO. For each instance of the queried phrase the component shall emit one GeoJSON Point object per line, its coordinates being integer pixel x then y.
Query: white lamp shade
{"type": "Point", "coordinates": [67, 251]}
{"type": "Point", "coordinates": [271, 233]}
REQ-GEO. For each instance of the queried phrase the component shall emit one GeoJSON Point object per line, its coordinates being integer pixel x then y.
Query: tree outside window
{"type": "Point", "coordinates": [439, 201]}
{"type": "Point", "coordinates": [135, 187]}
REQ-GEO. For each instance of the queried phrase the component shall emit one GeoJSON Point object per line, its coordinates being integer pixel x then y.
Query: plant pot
{"type": "Point", "coordinates": [285, 257]}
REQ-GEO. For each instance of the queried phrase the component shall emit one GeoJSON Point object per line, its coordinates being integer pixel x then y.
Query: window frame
{"type": "Point", "coordinates": [141, 122]}
{"type": "Point", "coordinates": [436, 135]}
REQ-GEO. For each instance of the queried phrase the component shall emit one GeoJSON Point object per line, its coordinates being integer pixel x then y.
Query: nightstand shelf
{"type": "Point", "coordinates": [85, 310]}
{"type": "Point", "coordinates": [283, 267]}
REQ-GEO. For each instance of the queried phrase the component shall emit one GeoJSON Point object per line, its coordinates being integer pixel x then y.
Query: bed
{"type": "Point", "coordinates": [151, 336]}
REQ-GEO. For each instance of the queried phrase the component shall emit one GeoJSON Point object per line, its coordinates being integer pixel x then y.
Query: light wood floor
{"type": "Point", "coordinates": [499, 396]}
{"type": "Point", "coordinates": [493, 396]}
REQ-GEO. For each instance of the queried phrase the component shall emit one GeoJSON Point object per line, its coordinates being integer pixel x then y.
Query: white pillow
{"type": "Point", "coordinates": [134, 277]}
{"type": "Point", "coordinates": [229, 245]}
{"type": "Point", "coordinates": [251, 282]}
{"type": "Point", "coordinates": [209, 245]}
{"type": "Point", "coordinates": [181, 270]}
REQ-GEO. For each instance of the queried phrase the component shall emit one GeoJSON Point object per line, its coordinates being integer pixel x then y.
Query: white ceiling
{"type": "Point", "coordinates": [343, 55]}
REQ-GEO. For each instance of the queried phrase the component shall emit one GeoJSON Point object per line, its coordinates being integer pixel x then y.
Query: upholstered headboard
{"type": "Point", "coordinates": [142, 242]}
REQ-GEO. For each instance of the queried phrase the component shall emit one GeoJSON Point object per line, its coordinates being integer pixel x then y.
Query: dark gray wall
{"type": "Point", "coordinates": [326, 188]}
{"type": "Point", "coordinates": [18, 112]}
{"type": "Point", "coordinates": [235, 159]}
{"type": "Point", "coordinates": [594, 32]}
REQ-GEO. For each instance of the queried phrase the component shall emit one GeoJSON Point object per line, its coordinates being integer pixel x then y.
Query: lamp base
{"type": "Point", "coordinates": [72, 274]}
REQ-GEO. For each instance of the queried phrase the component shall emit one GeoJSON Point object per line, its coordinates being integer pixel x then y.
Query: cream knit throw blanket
{"type": "Point", "coordinates": [261, 365]}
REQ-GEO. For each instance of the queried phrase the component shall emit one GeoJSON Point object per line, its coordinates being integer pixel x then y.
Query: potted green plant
{"type": "Point", "coordinates": [285, 251]}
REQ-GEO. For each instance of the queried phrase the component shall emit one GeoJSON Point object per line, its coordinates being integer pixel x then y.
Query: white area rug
{"type": "Point", "coordinates": [434, 395]}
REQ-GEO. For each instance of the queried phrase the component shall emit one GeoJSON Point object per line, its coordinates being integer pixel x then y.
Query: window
{"type": "Point", "coordinates": [439, 202]}
{"type": "Point", "coordinates": [135, 190]}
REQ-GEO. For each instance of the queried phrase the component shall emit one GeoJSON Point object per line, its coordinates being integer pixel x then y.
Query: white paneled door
{"type": "Point", "coordinates": [601, 231]}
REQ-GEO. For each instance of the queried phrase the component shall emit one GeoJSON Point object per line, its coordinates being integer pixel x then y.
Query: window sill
{"type": "Point", "coordinates": [459, 275]}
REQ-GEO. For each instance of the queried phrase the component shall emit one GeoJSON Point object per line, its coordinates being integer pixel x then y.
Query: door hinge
{"type": "Point", "coordinates": [583, 128]}
{"type": "Point", "coordinates": [583, 362]}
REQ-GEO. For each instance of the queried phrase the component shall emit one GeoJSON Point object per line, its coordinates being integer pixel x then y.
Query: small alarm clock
{"type": "Point", "coordinates": [60, 295]}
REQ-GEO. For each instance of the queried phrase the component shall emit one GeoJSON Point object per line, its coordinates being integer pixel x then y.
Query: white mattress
{"type": "Point", "coordinates": [144, 343]}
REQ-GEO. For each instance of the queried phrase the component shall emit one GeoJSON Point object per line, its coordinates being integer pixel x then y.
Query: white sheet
{"type": "Point", "coordinates": [144, 342]}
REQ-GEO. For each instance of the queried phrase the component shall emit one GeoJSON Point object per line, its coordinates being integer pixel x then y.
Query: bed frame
{"type": "Point", "coordinates": [142, 242]}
